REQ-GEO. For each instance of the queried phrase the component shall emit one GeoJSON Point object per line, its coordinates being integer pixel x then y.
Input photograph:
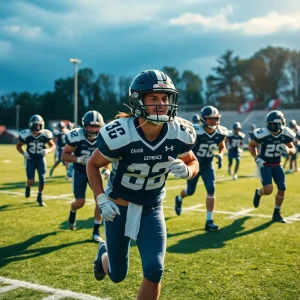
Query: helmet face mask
{"type": "Point", "coordinates": [152, 81]}
{"type": "Point", "coordinates": [92, 119]}
{"type": "Point", "coordinates": [36, 123]}
{"type": "Point", "coordinates": [275, 121]}
{"type": "Point", "coordinates": [207, 114]}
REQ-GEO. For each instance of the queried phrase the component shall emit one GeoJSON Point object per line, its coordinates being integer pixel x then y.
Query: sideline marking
{"type": "Point", "coordinates": [57, 293]}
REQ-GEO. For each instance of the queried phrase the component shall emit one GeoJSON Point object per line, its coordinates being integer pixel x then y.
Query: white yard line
{"type": "Point", "coordinates": [242, 212]}
{"type": "Point", "coordinates": [57, 294]}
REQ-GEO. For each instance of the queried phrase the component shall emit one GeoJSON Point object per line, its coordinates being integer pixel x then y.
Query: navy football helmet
{"type": "Point", "coordinates": [70, 126]}
{"type": "Point", "coordinates": [36, 123]}
{"type": "Point", "coordinates": [275, 121]}
{"type": "Point", "coordinates": [196, 119]}
{"type": "Point", "coordinates": [237, 125]}
{"type": "Point", "coordinates": [292, 124]}
{"type": "Point", "coordinates": [92, 118]}
{"type": "Point", "coordinates": [61, 125]}
{"type": "Point", "coordinates": [209, 112]}
{"type": "Point", "coordinates": [253, 127]}
{"type": "Point", "coordinates": [152, 81]}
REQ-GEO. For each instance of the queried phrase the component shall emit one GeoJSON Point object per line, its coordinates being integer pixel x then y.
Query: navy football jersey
{"type": "Point", "coordinates": [140, 167]}
{"type": "Point", "coordinates": [76, 138]}
{"type": "Point", "coordinates": [235, 141]}
{"type": "Point", "coordinates": [61, 138]}
{"type": "Point", "coordinates": [271, 145]}
{"type": "Point", "coordinates": [35, 143]}
{"type": "Point", "coordinates": [206, 143]}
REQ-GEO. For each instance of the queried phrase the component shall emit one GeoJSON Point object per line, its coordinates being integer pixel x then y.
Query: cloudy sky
{"type": "Point", "coordinates": [38, 37]}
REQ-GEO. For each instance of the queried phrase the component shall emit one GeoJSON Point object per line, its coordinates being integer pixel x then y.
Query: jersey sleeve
{"type": "Point", "coordinates": [23, 135]}
{"type": "Point", "coordinates": [259, 134]}
{"type": "Point", "coordinates": [48, 134]}
{"type": "Point", "coordinates": [73, 137]}
{"type": "Point", "coordinates": [106, 151]}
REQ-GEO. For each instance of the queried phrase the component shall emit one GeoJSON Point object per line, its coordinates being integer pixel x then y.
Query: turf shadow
{"type": "Point", "coordinates": [214, 240]}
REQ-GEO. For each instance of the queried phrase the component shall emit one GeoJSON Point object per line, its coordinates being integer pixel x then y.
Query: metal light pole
{"type": "Point", "coordinates": [17, 116]}
{"type": "Point", "coordinates": [75, 61]}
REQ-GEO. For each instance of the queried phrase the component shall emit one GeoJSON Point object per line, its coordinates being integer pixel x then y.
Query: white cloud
{"type": "Point", "coordinates": [22, 30]}
{"type": "Point", "coordinates": [271, 23]}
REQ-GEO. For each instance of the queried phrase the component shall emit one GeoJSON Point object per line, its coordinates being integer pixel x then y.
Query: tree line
{"type": "Point", "coordinates": [271, 73]}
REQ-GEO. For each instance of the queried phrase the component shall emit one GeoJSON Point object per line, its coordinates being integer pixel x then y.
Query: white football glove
{"type": "Point", "coordinates": [82, 159]}
{"type": "Point", "coordinates": [284, 149]}
{"type": "Point", "coordinates": [108, 208]}
{"type": "Point", "coordinates": [178, 168]}
{"type": "Point", "coordinates": [105, 173]}
{"type": "Point", "coordinates": [26, 155]}
{"type": "Point", "coordinates": [260, 162]}
{"type": "Point", "coordinates": [44, 152]}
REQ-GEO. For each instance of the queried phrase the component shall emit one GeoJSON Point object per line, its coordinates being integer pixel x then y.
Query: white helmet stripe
{"type": "Point", "coordinates": [159, 76]}
{"type": "Point", "coordinates": [94, 116]}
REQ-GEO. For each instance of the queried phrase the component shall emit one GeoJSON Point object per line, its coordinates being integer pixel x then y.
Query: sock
{"type": "Point", "coordinates": [72, 217]}
{"type": "Point", "coordinates": [96, 228]}
{"type": "Point", "coordinates": [258, 192]}
{"type": "Point", "coordinates": [277, 209]}
{"type": "Point", "coordinates": [40, 193]}
{"type": "Point", "coordinates": [179, 198]}
{"type": "Point", "coordinates": [209, 215]}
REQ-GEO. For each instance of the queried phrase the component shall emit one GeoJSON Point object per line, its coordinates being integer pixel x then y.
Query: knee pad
{"type": "Point", "coordinates": [154, 274]}
{"type": "Point", "coordinates": [281, 186]}
{"type": "Point", "coordinates": [210, 187]}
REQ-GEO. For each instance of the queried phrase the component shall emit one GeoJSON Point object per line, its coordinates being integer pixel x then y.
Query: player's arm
{"type": "Point", "coordinates": [192, 163]}
{"type": "Point", "coordinates": [291, 148]}
{"type": "Point", "coordinates": [96, 161]}
{"type": "Point", "coordinates": [67, 154]}
{"type": "Point", "coordinates": [51, 145]}
{"type": "Point", "coordinates": [222, 148]}
{"type": "Point", "coordinates": [19, 147]}
{"type": "Point", "coordinates": [252, 147]}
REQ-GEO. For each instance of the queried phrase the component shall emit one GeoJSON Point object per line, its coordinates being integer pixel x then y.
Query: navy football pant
{"type": "Point", "coordinates": [36, 164]}
{"type": "Point", "coordinates": [207, 172]}
{"type": "Point", "coordinates": [151, 243]}
{"type": "Point", "coordinates": [275, 172]}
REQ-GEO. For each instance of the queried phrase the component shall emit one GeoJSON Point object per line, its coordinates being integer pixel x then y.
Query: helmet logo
{"type": "Point", "coordinates": [138, 112]}
{"type": "Point", "coordinates": [160, 85]}
{"type": "Point", "coordinates": [135, 95]}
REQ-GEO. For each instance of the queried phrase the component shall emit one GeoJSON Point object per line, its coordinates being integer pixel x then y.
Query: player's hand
{"type": "Point", "coordinates": [178, 168]}
{"type": "Point", "coordinates": [44, 152]}
{"type": "Point", "coordinates": [260, 162]}
{"type": "Point", "coordinates": [105, 173]}
{"type": "Point", "coordinates": [82, 159]}
{"type": "Point", "coordinates": [26, 155]}
{"type": "Point", "coordinates": [219, 160]}
{"type": "Point", "coordinates": [108, 208]}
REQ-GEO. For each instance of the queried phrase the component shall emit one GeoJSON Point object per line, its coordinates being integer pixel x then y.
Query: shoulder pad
{"type": "Point", "coordinates": [230, 133]}
{"type": "Point", "coordinates": [260, 133]}
{"type": "Point", "coordinates": [119, 133]}
{"type": "Point", "coordinates": [186, 131]}
{"type": "Point", "coordinates": [75, 135]}
{"type": "Point", "coordinates": [242, 134]}
{"type": "Point", "coordinates": [200, 130]}
{"type": "Point", "coordinates": [289, 132]}
{"type": "Point", "coordinates": [25, 133]}
{"type": "Point", "coordinates": [196, 126]}
{"type": "Point", "coordinates": [222, 130]}
{"type": "Point", "coordinates": [47, 133]}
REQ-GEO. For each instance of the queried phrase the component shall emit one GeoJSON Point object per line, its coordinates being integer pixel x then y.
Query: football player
{"type": "Point", "coordinates": [60, 141]}
{"type": "Point", "coordinates": [210, 138]}
{"type": "Point", "coordinates": [80, 144]}
{"type": "Point", "coordinates": [273, 139]}
{"type": "Point", "coordinates": [143, 147]}
{"type": "Point", "coordinates": [293, 158]}
{"type": "Point", "coordinates": [235, 146]}
{"type": "Point", "coordinates": [35, 138]}
{"type": "Point", "coordinates": [70, 126]}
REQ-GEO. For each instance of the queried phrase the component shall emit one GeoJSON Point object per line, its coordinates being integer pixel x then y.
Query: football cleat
{"type": "Point", "coordinates": [72, 226]}
{"type": "Point", "coordinates": [178, 204]}
{"type": "Point", "coordinates": [98, 268]}
{"type": "Point", "coordinates": [27, 191]}
{"type": "Point", "coordinates": [210, 226]}
{"type": "Point", "coordinates": [96, 237]}
{"type": "Point", "coordinates": [256, 198]}
{"type": "Point", "coordinates": [40, 200]}
{"type": "Point", "coordinates": [278, 218]}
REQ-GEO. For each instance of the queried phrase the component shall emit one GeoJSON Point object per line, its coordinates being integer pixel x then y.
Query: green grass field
{"type": "Point", "coordinates": [249, 258]}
